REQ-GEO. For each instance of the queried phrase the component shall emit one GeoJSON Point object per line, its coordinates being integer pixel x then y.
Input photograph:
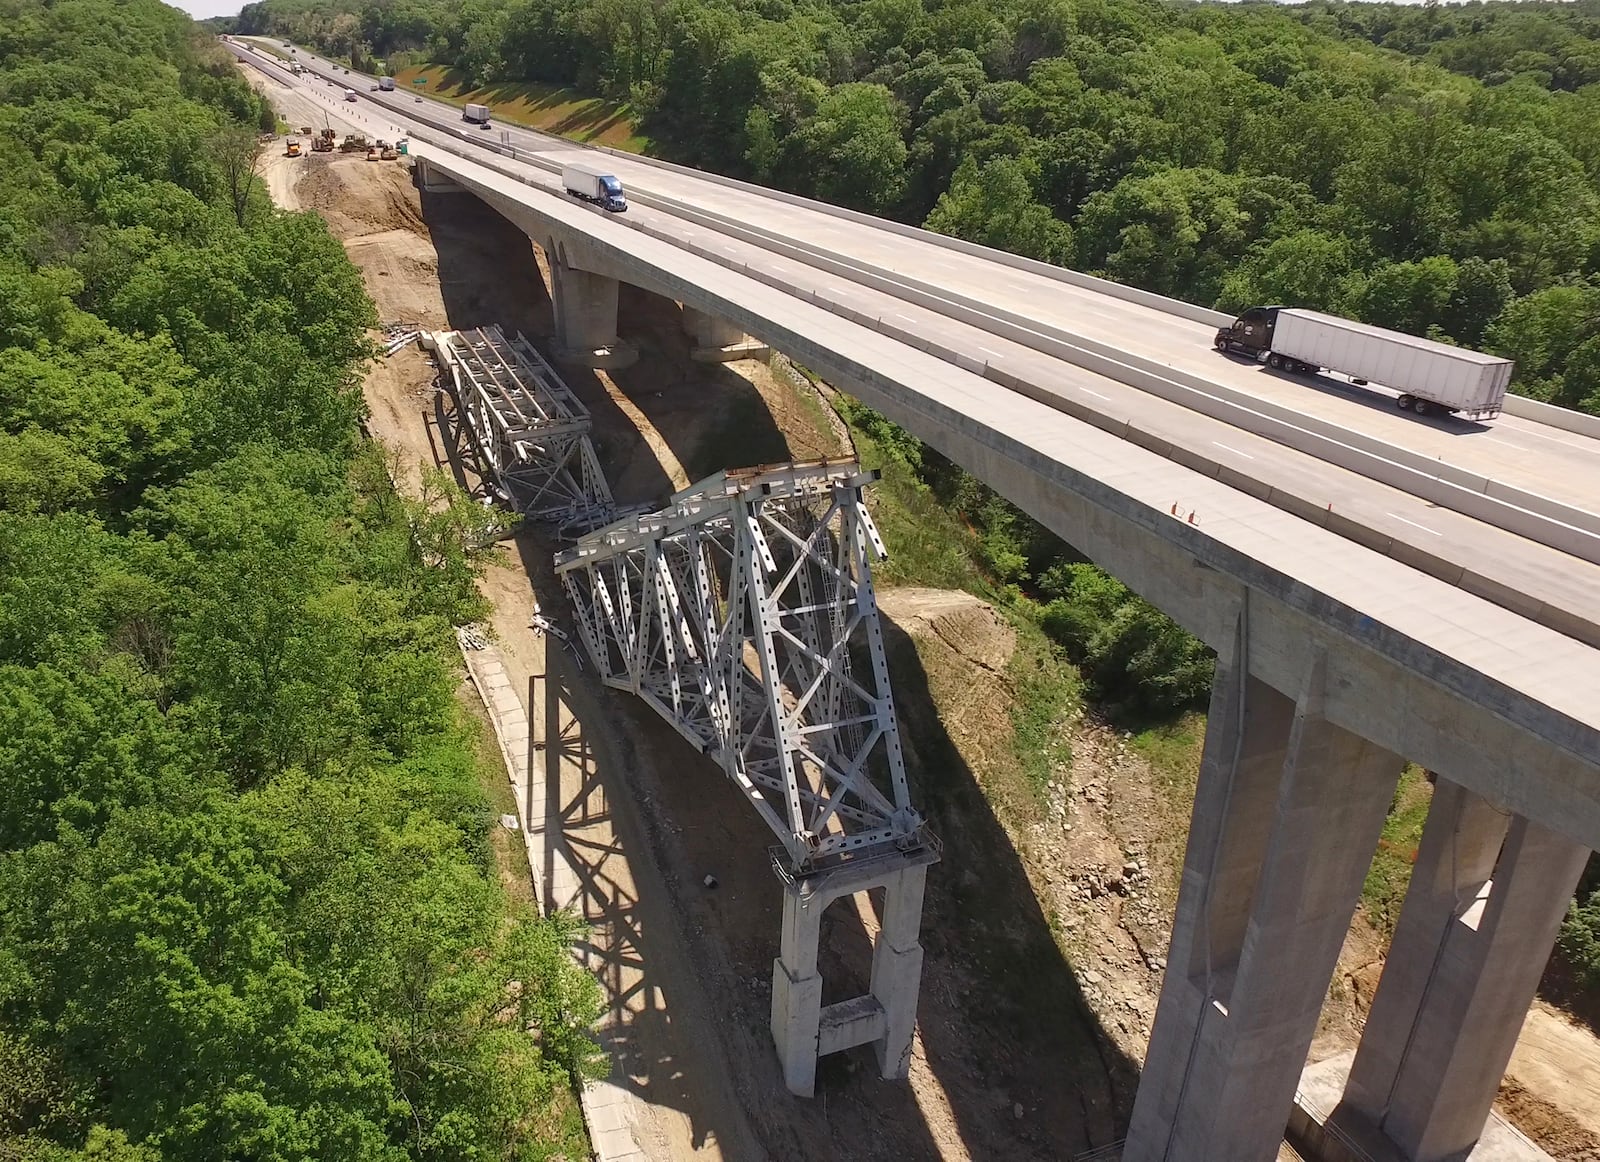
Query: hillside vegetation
{"type": "Point", "coordinates": [247, 908]}
{"type": "Point", "coordinates": [1223, 153]}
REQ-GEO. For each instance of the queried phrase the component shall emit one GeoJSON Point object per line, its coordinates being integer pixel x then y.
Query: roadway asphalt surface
{"type": "Point", "coordinates": [1549, 586]}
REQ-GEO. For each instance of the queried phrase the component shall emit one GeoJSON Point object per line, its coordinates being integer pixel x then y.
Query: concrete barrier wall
{"type": "Point", "coordinates": [944, 241]}
{"type": "Point", "coordinates": [1517, 510]}
{"type": "Point", "coordinates": [1552, 416]}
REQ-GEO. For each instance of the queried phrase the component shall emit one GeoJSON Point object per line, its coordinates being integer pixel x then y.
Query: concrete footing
{"type": "Point", "coordinates": [885, 1017]}
{"type": "Point", "coordinates": [719, 341]}
{"type": "Point", "coordinates": [1323, 1130]}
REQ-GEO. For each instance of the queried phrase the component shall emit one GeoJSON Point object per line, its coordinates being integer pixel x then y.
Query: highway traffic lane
{"type": "Point", "coordinates": [1513, 567]}
{"type": "Point", "coordinates": [1422, 625]}
{"type": "Point", "coordinates": [1569, 594]}
{"type": "Point", "coordinates": [1569, 471]}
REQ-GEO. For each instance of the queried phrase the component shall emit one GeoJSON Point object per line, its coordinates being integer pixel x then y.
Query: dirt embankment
{"type": "Point", "coordinates": [1047, 923]}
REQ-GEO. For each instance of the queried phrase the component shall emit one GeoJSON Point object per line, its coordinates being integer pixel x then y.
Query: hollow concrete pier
{"type": "Point", "coordinates": [716, 340]}
{"type": "Point", "coordinates": [585, 304]}
{"type": "Point", "coordinates": [1287, 814]}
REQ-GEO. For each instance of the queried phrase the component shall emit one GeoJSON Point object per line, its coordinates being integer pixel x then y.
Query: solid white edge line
{"type": "Point", "coordinates": [1415, 525]}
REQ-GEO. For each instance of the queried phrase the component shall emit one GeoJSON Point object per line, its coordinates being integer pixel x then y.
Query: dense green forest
{"type": "Point", "coordinates": [1432, 169]}
{"type": "Point", "coordinates": [248, 907]}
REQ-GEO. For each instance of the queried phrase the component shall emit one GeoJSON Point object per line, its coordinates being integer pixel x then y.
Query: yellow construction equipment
{"type": "Point", "coordinates": [323, 142]}
{"type": "Point", "coordinates": [293, 149]}
{"type": "Point", "coordinates": [353, 143]}
{"type": "Point", "coordinates": [390, 153]}
{"type": "Point", "coordinates": [373, 153]}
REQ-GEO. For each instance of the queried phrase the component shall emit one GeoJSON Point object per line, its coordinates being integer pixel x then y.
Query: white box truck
{"type": "Point", "coordinates": [386, 84]}
{"type": "Point", "coordinates": [477, 114]}
{"type": "Point", "coordinates": [349, 94]}
{"type": "Point", "coordinates": [594, 183]}
{"type": "Point", "coordinates": [1428, 376]}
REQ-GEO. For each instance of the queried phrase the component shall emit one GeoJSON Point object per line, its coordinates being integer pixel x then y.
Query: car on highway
{"type": "Point", "coordinates": [418, 100]}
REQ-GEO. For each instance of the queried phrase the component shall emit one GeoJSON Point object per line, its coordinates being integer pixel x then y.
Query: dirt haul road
{"type": "Point", "coordinates": [1009, 1061]}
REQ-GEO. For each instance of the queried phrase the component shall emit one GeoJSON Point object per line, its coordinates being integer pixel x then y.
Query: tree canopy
{"type": "Point", "coordinates": [247, 905]}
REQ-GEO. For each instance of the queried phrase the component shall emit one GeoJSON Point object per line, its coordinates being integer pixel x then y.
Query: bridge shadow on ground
{"type": "Point", "coordinates": [1001, 1019]}
{"type": "Point", "coordinates": [656, 1005]}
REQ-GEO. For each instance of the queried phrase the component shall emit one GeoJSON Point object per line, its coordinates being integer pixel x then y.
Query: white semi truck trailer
{"type": "Point", "coordinates": [477, 114]}
{"type": "Point", "coordinates": [593, 183]}
{"type": "Point", "coordinates": [1428, 376]}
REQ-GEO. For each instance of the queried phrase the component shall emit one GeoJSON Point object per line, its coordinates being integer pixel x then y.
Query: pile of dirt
{"type": "Point", "coordinates": [359, 197]}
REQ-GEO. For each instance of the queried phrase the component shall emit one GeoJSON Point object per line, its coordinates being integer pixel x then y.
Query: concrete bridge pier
{"type": "Point", "coordinates": [585, 313]}
{"type": "Point", "coordinates": [1486, 899]}
{"type": "Point", "coordinates": [1287, 814]}
{"type": "Point", "coordinates": [719, 341]}
{"type": "Point", "coordinates": [430, 181]}
{"type": "Point", "coordinates": [885, 1016]}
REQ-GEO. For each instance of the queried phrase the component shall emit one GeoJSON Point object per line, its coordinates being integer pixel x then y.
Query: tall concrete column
{"type": "Point", "coordinates": [717, 340]}
{"type": "Point", "coordinates": [586, 314]}
{"type": "Point", "coordinates": [897, 969]}
{"type": "Point", "coordinates": [797, 989]}
{"type": "Point", "coordinates": [1486, 899]}
{"type": "Point", "coordinates": [1287, 815]}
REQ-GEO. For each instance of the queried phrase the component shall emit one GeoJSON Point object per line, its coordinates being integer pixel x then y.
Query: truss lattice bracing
{"type": "Point", "coordinates": [743, 612]}
{"type": "Point", "coordinates": [530, 433]}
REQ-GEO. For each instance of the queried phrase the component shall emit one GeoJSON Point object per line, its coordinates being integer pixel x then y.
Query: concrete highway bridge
{"type": "Point", "coordinates": [1378, 588]}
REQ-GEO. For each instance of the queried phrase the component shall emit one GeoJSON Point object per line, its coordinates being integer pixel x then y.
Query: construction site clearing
{"type": "Point", "coordinates": [1038, 990]}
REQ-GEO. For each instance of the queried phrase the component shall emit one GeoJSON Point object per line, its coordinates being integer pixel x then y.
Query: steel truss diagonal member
{"type": "Point", "coordinates": [528, 430]}
{"type": "Point", "coordinates": [743, 612]}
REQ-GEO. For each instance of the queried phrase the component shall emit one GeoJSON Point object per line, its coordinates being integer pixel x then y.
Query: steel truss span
{"type": "Point", "coordinates": [743, 612]}
{"type": "Point", "coordinates": [529, 431]}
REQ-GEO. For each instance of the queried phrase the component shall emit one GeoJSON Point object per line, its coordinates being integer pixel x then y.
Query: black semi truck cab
{"type": "Point", "coordinates": [1250, 333]}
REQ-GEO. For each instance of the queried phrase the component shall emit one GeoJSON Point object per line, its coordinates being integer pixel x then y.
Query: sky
{"type": "Point", "coordinates": [200, 9]}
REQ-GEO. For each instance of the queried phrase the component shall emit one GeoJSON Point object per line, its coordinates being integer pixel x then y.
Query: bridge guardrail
{"type": "Point", "coordinates": [1517, 510]}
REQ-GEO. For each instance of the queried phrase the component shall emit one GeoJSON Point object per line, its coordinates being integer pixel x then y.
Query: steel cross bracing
{"type": "Point", "coordinates": [528, 429]}
{"type": "Point", "coordinates": [743, 612]}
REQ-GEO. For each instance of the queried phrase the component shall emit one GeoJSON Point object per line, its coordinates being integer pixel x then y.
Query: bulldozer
{"type": "Point", "coordinates": [292, 148]}
{"type": "Point", "coordinates": [323, 142]}
{"type": "Point", "coordinates": [353, 143]}
{"type": "Point", "coordinates": [390, 153]}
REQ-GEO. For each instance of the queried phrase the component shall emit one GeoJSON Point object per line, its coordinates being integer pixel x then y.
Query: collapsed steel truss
{"type": "Point", "coordinates": [742, 612]}
{"type": "Point", "coordinates": [530, 433]}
